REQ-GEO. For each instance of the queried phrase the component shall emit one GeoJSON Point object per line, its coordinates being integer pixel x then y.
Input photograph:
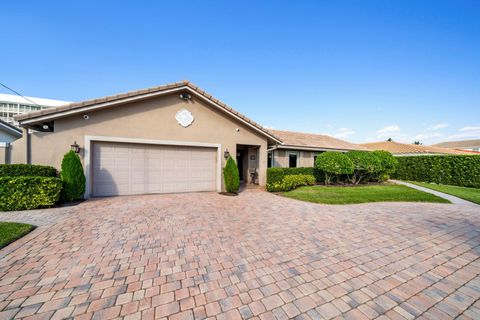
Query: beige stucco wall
{"type": "Point", "coordinates": [280, 158]}
{"type": "Point", "coordinates": [147, 119]}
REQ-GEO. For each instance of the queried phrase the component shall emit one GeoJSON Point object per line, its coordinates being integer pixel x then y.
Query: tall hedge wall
{"type": "Point", "coordinates": [461, 170]}
{"type": "Point", "coordinates": [16, 170]}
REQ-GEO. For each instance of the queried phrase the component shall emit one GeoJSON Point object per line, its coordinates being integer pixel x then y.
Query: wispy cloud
{"type": "Point", "coordinates": [389, 129]}
{"type": "Point", "coordinates": [344, 133]}
{"type": "Point", "coordinates": [470, 129]}
{"type": "Point", "coordinates": [438, 126]}
{"type": "Point", "coordinates": [428, 135]}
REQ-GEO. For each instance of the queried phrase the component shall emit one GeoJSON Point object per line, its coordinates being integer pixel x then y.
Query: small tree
{"type": "Point", "coordinates": [388, 165]}
{"type": "Point", "coordinates": [365, 163]}
{"type": "Point", "coordinates": [231, 176]}
{"type": "Point", "coordinates": [332, 164]}
{"type": "Point", "coordinates": [73, 177]}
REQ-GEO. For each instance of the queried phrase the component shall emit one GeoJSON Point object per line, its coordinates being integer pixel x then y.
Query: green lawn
{"type": "Point", "coordinates": [11, 231]}
{"type": "Point", "coordinates": [361, 194]}
{"type": "Point", "coordinates": [469, 194]}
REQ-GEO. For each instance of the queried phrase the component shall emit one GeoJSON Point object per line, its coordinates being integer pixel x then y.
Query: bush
{"type": "Point", "coordinates": [21, 193]}
{"type": "Point", "coordinates": [461, 170]}
{"type": "Point", "coordinates": [277, 174]}
{"type": "Point", "coordinates": [231, 176]}
{"type": "Point", "coordinates": [290, 182]}
{"type": "Point", "coordinates": [15, 170]}
{"type": "Point", "coordinates": [365, 163]}
{"type": "Point", "coordinates": [73, 177]}
{"type": "Point", "coordinates": [388, 164]}
{"type": "Point", "coordinates": [334, 164]}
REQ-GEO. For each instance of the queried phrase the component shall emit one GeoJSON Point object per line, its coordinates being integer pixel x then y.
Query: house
{"type": "Point", "coordinates": [405, 149]}
{"type": "Point", "coordinates": [469, 145]}
{"type": "Point", "coordinates": [300, 149]}
{"type": "Point", "coordinates": [171, 138]}
{"type": "Point", "coordinates": [13, 105]}
{"type": "Point", "coordinates": [8, 134]}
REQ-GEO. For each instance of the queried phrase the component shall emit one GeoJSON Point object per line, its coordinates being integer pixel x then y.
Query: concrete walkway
{"type": "Point", "coordinates": [449, 197]}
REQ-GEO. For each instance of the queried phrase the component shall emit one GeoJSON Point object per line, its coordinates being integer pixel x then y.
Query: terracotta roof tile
{"type": "Point", "coordinates": [459, 144]}
{"type": "Point", "coordinates": [405, 148]}
{"type": "Point", "coordinates": [310, 140]}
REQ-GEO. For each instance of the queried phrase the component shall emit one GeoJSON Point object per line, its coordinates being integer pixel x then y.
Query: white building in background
{"type": "Point", "coordinates": [12, 105]}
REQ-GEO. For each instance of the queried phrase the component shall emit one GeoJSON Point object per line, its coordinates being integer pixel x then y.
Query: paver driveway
{"type": "Point", "coordinates": [256, 255]}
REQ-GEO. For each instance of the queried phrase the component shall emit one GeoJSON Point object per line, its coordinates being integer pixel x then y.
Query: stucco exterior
{"type": "Point", "coordinates": [280, 158]}
{"type": "Point", "coordinates": [153, 119]}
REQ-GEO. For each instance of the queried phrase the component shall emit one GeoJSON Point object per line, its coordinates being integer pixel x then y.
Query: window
{"type": "Point", "coordinates": [292, 159]}
{"type": "Point", "coordinates": [270, 159]}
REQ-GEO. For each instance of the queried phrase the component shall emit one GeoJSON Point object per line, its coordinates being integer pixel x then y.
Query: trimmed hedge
{"type": "Point", "coordinates": [461, 170]}
{"type": "Point", "coordinates": [277, 174]}
{"type": "Point", "coordinates": [21, 193]}
{"type": "Point", "coordinates": [16, 170]}
{"type": "Point", "coordinates": [231, 176]}
{"type": "Point", "coordinates": [73, 177]}
{"type": "Point", "coordinates": [290, 182]}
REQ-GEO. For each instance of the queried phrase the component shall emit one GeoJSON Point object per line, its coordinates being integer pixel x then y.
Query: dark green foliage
{"type": "Point", "coordinates": [15, 170]}
{"type": "Point", "coordinates": [231, 176]}
{"type": "Point", "coordinates": [365, 163]}
{"type": "Point", "coordinates": [20, 193]}
{"type": "Point", "coordinates": [388, 164]}
{"type": "Point", "coordinates": [73, 177]}
{"type": "Point", "coordinates": [290, 182]}
{"type": "Point", "coordinates": [334, 164]}
{"type": "Point", "coordinates": [461, 170]}
{"type": "Point", "coordinates": [277, 174]}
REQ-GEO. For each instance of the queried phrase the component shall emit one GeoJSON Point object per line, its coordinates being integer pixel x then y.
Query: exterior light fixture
{"type": "Point", "coordinates": [226, 154]}
{"type": "Point", "coordinates": [185, 96]}
{"type": "Point", "coordinates": [75, 147]}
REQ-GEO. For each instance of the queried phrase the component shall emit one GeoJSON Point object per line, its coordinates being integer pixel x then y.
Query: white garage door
{"type": "Point", "coordinates": [124, 168]}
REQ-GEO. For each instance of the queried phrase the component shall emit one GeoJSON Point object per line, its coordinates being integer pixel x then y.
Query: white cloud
{"type": "Point", "coordinates": [344, 133]}
{"type": "Point", "coordinates": [268, 127]}
{"type": "Point", "coordinates": [426, 136]}
{"type": "Point", "coordinates": [469, 132]}
{"type": "Point", "coordinates": [389, 129]}
{"type": "Point", "coordinates": [470, 129]}
{"type": "Point", "coordinates": [438, 126]}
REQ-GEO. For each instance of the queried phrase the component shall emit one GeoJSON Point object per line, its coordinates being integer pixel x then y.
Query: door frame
{"type": "Point", "coordinates": [87, 154]}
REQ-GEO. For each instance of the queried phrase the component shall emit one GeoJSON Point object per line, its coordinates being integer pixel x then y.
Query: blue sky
{"type": "Point", "coordinates": [359, 70]}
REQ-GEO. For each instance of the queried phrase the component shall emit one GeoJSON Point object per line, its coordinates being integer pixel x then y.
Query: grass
{"type": "Point", "coordinates": [469, 194]}
{"type": "Point", "coordinates": [361, 194]}
{"type": "Point", "coordinates": [11, 231]}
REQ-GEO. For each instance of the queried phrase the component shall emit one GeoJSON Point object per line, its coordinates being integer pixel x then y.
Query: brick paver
{"type": "Point", "coordinates": [258, 255]}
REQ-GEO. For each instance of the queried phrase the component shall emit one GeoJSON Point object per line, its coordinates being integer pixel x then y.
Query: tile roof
{"type": "Point", "coordinates": [458, 144]}
{"type": "Point", "coordinates": [138, 93]}
{"type": "Point", "coordinates": [310, 140]}
{"type": "Point", "coordinates": [405, 148]}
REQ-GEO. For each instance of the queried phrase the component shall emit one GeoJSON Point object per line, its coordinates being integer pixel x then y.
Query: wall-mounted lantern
{"type": "Point", "coordinates": [75, 147]}
{"type": "Point", "coordinates": [226, 154]}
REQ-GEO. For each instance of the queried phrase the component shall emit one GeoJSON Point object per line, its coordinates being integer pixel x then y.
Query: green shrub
{"type": "Point", "coordinates": [277, 174]}
{"type": "Point", "coordinates": [334, 164]}
{"type": "Point", "coordinates": [15, 170]}
{"type": "Point", "coordinates": [456, 170]}
{"type": "Point", "coordinates": [21, 193]}
{"type": "Point", "coordinates": [231, 176]}
{"type": "Point", "coordinates": [290, 182]}
{"type": "Point", "coordinates": [365, 163]}
{"type": "Point", "coordinates": [388, 164]}
{"type": "Point", "coordinates": [73, 177]}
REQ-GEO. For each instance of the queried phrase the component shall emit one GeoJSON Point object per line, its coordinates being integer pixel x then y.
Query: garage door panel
{"type": "Point", "coordinates": [122, 169]}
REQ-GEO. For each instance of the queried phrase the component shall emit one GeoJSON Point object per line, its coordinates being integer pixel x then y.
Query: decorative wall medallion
{"type": "Point", "coordinates": [184, 118]}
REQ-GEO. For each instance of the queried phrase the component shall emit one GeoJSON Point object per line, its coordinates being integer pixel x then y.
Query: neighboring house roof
{"type": "Point", "coordinates": [14, 131]}
{"type": "Point", "coordinates": [405, 148]}
{"type": "Point", "coordinates": [458, 144]}
{"type": "Point", "coordinates": [111, 101]}
{"type": "Point", "coordinates": [310, 141]}
{"type": "Point", "coordinates": [28, 100]}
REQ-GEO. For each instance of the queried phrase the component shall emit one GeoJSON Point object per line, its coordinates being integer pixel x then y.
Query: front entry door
{"type": "Point", "coordinates": [240, 164]}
